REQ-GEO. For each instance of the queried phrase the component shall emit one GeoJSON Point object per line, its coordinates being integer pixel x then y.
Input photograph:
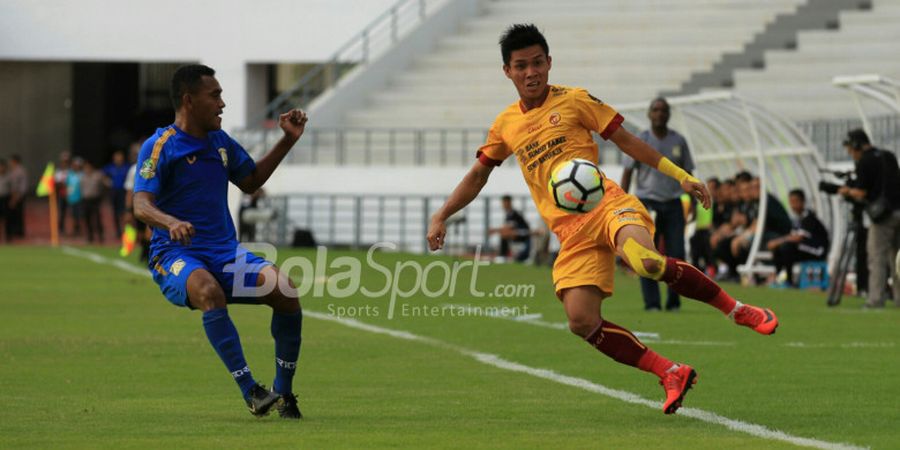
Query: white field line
{"type": "Point", "coordinates": [500, 363]}
{"type": "Point", "coordinates": [651, 337]}
{"type": "Point", "coordinates": [535, 319]}
{"type": "Point", "coordinates": [625, 396]}
{"type": "Point", "coordinates": [130, 268]}
{"type": "Point", "coordinates": [530, 319]}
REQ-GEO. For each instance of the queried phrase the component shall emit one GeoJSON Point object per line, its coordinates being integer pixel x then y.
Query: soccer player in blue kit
{"type": "Point", "coordinates": [182, 193]}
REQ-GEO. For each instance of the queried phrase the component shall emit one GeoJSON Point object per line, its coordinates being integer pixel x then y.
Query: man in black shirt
{"type": "Point", "coordinates": [877, 183]}
{"type": "Point", "coordinates": [807, 241]}
{"type": "Point", "coordinates": [734, 251]}
{"type": "Point", "coordinates": [515, 230]}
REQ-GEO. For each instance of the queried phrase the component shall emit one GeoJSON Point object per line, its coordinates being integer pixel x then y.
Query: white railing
{"type": "Point", "coordinates": [376, 38]}
{"type": "Point", "coordinates": [358, 221]}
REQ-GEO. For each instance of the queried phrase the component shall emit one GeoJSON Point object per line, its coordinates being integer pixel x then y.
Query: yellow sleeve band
{"type": "Point", "coordinates": [669, 168]}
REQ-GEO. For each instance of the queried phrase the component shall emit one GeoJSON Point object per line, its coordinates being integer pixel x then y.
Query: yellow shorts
{"type": "Point", "coordinates": [588, 244]}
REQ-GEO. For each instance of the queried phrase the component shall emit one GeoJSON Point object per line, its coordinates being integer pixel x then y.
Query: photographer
{"type": "Point", "coordinates": [878, 185]}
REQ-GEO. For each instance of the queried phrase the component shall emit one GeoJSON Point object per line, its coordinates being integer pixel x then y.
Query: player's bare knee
{"type": "Point", "coordinates": [645, 261]}
{"type": "Point", "coordinates": [583, 325]}
{"type": "Point", "coordinates": [652, 267]}
{"type": "Point", "coordinates": [207, 296]}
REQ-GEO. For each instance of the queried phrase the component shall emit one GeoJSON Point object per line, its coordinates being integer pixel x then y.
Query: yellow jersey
{"type": "Point", "coordinates": [541, 138]}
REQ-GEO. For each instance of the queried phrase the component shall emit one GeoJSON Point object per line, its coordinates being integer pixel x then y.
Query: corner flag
{"type": "Point", "coordinates": [46, 186]}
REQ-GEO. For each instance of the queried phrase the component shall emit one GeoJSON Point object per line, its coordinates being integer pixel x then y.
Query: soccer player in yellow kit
{"type": "Point", "coordinates": [548, 126]}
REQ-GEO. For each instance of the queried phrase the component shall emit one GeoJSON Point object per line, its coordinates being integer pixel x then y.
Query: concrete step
{"type": "Point", "coordinates": [636, 7]}
{"type": "Point", "coordinates": [811, 72]}
{"type": "Point", "coordinates": [608, 5]}
{"type": "Point", "coordinates": [491, 82]}
{"type": "Point", "coordinates": [844, 51]}
{"type": "Point", "coordinates": [860, 37]}
{"type": "Point", "coordinates": [462, 98]}
{"type": "Point", "coordinates": [493, 74]}
{"type": "Point", "coordinates": [724, 38]}
{"type": "Point", "coordinates": [608, 56]}
{"type": "Point", "coordinates": [621, 21]}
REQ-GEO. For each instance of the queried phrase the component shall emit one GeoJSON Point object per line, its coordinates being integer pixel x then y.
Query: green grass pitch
{"type": "Point", "coordinates": [93, 356]}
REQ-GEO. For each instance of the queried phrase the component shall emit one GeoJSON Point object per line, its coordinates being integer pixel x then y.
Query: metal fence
{"type": "Point", "coordinates": [829, 135]}
{"type": "Point", "coordinates": [441, 147]}
{"type": "Point", "coordinates": [358, 221]}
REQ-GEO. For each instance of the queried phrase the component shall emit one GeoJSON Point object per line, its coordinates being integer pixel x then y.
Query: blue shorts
{"type": "Point", "coordinates": [171, 268]}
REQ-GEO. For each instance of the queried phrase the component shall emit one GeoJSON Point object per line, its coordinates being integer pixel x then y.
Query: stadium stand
{"type": "Point", "coordinates": [780, 33]}
{"type": "Point", "coordinates": [797, 82]}
{"type": "Point", "coordinates": [433, 108]}
{"type": "Point", "coordinates": [604, 46]}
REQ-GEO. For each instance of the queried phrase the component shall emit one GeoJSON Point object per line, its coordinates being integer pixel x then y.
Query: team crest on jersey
{"type": "Point", "coordinates": [555, 118]}
{"type": "Point", "coordinates": [177, 266]}
{"type": "Point", "coordinates": [148, 169]}
{"type": "Point", "coordinates": [224, 154]}
{"type": "Point", "coordinates": [676, 151]}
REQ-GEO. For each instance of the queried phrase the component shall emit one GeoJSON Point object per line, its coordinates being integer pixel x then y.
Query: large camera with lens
{"type": "Point", "coordinates": [832, 188]}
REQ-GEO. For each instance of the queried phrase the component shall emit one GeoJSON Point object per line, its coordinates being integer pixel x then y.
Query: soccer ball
{"type": "Point", "coordinates": [576, 185]}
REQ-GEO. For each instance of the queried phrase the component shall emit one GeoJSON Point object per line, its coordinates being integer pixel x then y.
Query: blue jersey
{"type": "Point", "coordinates": [189, 177]}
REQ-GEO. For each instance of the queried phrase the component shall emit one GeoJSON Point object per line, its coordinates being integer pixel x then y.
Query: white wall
{"type": "Point", "coordinates": [225, 34]}
{"type": "Point", "coordinates": [397, 180]}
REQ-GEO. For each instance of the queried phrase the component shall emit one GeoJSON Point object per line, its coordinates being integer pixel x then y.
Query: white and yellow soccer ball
{"type": "Point", "coordinates": [576, 185]}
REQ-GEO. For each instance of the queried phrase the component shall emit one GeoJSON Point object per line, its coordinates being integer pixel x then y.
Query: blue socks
{"type": "Point", "coordinates": [286, 331]}
{"type": "Point", "coordinates": [224, 338]}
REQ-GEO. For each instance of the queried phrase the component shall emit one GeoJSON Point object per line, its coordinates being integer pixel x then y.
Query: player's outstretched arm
{"type": "Point", "coordinates": [146, 211]}
{"type": "Point", "coordinates": [293, 123]}
{"type": "Point", "coordinates": [466, 191]}
{"type": "Point", "coordinates": [643, 152]}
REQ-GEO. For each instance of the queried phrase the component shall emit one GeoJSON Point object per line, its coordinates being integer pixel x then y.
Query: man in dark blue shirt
{"type": "Point", "coordinates": [181, 191]}
{"type": "Point", "coordinates": [117, 171]}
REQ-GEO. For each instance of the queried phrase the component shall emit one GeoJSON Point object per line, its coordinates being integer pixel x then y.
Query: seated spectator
{"type": "Point", "coordinates": [249, 203]}
{"type": "Point", "coordinates": [515, 232]}
{"type": "Point", "coordinates": [735, 222]}
{"type": "Point", "coordinates": [807, 241]}
{"type": "Point", "coordinates": [725, 201]}
{"type": "Point", "coordinates": [736, 249]}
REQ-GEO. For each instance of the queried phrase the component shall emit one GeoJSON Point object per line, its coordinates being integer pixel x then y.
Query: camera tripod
{"type": "Point", "coordinates": [849, 247]}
